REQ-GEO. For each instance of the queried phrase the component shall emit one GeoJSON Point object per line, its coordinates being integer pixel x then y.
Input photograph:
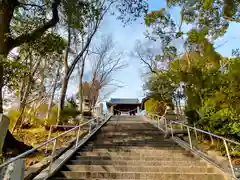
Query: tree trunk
{"type": "Point", "coordinates": [64, 80]}
{"type": "Point", "coordinates": [81, 86]}
{"type": "Point", "coordinates": [22, 106]}
{"type": "Point", "coordinates": [52, 96]}
{"type": "Point", "coordinates": [1, 86]}
{"type": "Point", "coordinates": [62, 98]}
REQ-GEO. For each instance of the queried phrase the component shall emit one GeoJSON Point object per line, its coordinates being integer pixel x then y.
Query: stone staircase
{"type": "Point", "coordinates": [128, 148]}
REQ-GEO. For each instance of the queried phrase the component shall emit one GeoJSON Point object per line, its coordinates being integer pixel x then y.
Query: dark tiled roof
{"type": "Point", "coordinates": [124, 101]}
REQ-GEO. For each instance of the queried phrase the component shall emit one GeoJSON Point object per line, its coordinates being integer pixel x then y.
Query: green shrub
{"type": "Point", "coordinates": [87, 113]}
{"type": "Point", "coordinates": [68, 112]}
{"type": "Point", "coordinates": [36, 120]}
{"type": "Point", "coordinates": [13, 116]}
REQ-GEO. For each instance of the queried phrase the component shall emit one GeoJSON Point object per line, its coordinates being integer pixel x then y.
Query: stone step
{"type": "Point", "coordinates": [132, 124]}
{"type": "Point", "coordinates": [142, 175]}
{"type": "Point", "coordinates": [124, 134]}
{"type": "Point", "coordinates": [127, 121]}
{"type": "Point", "coordinates": [136, 169]}
{"type": "Point", "coordinates": [128, 148]}
{"type": "Point", "coordinates": [136, 154]}
{"type": "Point", "coordinates": [131, 141]}
{"type": "Point", "coordinates": [112, 145]}
{"type": "Point", "coordinates": [135, 133]}
{"type": "Point", "coordinates": [143, 150]}
{"type": "Point", "coordinates": [126, 131]}
{"type": "Point", "coordinates": [133, 127]}
{"type": "Point", "coordinates": [121, 129]}
{"type": "Point", "coordinates": [132, 121]}
{"type": "Point", "coordinates": [136, 158]}
{"type": "Point", "coordinates": [132, 149]}
{"type": "Point", "coordinates": [172, 162]}
{"type": "Point", "coordinates": [134, 139]}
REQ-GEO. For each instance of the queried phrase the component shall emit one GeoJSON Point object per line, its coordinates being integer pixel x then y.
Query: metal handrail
{"type": "Point", "coordinates": [52, 140]}
{"type": "Point", "coordinates": [225, 140]}
{"type": "Point", "coordinates": [206, 132]}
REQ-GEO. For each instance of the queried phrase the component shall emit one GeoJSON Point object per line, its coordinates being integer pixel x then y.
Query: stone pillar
{"type": "Point", "coordinates": [138, 110]}
{"type": "Point", "coordinates": [111, 110]}
{"type": "Point", "coordinates": [14, 170]}
{"type": "Point", "coordinates": [4, 123]}
{"type": "Point", "coordinates": [101, 108]}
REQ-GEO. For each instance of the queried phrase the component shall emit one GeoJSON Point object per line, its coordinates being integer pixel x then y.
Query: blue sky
{"type": "Point", "coordinates": [126, 37]}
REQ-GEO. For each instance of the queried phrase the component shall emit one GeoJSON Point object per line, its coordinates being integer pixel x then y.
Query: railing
{"type": "Point", "coordinates": [193, 137]}
{"type": "Point", "coordinates": [95, 121]}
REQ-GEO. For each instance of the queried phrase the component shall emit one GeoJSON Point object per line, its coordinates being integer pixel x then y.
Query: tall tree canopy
{"type": "Point", "coordinates": [208, 80]}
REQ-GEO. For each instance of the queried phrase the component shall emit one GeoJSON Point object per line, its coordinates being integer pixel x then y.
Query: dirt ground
{"type": "Point", "coordinates": [36, 136]}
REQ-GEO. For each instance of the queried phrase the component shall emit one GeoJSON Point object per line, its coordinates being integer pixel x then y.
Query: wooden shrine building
{"type": "Point", "coordinates": [116, 106]}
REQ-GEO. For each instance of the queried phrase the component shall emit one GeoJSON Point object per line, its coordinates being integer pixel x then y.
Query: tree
{"type": "Point", "coordinates": [8, 41]}
{"type": "Point", "coordinates": [35, 57]}
{"type": "Point", "coordinates": [87, 23]}
{"type": "Point", "coordinates": [209, 80]}
{"type": "Point", "coordinates": [12, 12]}
{"type": "Point", "coordinates": [24, 22]}
{"type": "Point", "coordinates": [104, 63]}
{"type": "Point", "coordinates": [161, 88]}
{"type": "Point", "coordinates": [147, 53]}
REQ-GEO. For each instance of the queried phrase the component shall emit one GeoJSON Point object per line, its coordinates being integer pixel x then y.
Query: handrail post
{"type": "Point", "coordinates": [171, 128]}
{"type": "Point", "coordinates": [165, 122]}
{"type": "Point", "coordinates": [78, 134]}
{"type": "Point", "coordinates": [195, 131]}
{"type": "Point", "coordinates": [97, 121]}
{"type": "Point", "coordinates": [49, 136]}
{"type": "Point", "coordinates": [52, 156]}
{"type": "Point", "coordinates": [158, 118]}
{"type": "Point", "coordinates": [189, 138]}
{"type": "Point", "coordinates": [229, 158]}
{"type": "Point", "coordinates": [90, 128]}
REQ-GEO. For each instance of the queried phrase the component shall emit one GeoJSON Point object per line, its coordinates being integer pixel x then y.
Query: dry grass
{"type": "Point", "coordinates": [36, 136]}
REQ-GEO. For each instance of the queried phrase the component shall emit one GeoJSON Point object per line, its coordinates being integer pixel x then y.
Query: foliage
{"type": "Point", "coordinates": [150, 105]}
{"type": "Point", "coordinates": [161, 87]}
{"type": "Point", "coordinates": [14, 71]}
{"type": "Point", "coordinates": [71, 103]}
{"type": "Point", "coordinates": [13, 116]}
{"type": "Point", "coordinates": [210, 82]}
{"type": "Point", "coordinates": [37, 118]}
{"type": "Point", "coordinates": [155, 107]}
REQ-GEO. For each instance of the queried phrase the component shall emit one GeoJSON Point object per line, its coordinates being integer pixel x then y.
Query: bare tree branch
{"type": "Point", "coordinates": [105, 63]}
{"type": "Point", "coordinates": [146, 55]}
{"type": "Point", "coordinates": [146, 63]}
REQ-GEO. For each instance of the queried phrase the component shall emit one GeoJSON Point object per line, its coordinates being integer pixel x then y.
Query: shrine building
{"type": "Point", "coordinates": [123, 105]}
